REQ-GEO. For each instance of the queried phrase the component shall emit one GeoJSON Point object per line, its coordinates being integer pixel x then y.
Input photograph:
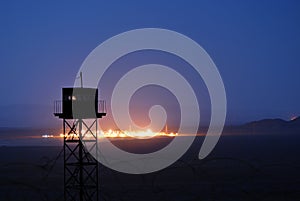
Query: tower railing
{"type": "Point", "coordinates": [58, 107]}
{"type": "Point", "coordinates": [101, 106]}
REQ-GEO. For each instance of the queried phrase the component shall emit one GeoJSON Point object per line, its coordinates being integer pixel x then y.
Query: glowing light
{"type": "Point", "coordinates": [47, 136]}
{"type": "Point", "coordinates": [294, 117]}
{"type": "Point", "coordinates": [71, 136]}
{"type": "Point", "coordinates": [135, 134]}
{"type": "Point", "coordinates": [121, 134]}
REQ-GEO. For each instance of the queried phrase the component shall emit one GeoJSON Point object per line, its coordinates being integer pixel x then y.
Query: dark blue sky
{"type": "Point", "coordinates": [255, 45]}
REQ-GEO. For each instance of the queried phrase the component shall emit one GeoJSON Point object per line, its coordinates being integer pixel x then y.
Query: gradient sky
{"type": "Point", "coordinates": [255, 45]}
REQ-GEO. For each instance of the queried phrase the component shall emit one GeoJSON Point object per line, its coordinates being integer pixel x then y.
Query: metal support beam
{"type": "Point", "coordinates": [80, 167]}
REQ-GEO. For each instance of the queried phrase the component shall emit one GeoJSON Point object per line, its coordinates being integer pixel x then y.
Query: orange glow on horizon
{"type": "Point", "coordinates": [135, 134]}
{"type": "Point", "coordinates": [125, 134]}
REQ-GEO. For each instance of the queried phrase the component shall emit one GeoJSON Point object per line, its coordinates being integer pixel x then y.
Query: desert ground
{"type": "Point", "coordinates": [242, 168]}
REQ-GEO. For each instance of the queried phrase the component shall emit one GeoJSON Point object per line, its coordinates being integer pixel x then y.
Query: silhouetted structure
{"type": "Point", "coordinates": [80, 111]}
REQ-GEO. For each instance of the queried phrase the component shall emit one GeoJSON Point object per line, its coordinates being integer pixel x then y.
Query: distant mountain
{"type": "Point", "coordinates": [272, 126]}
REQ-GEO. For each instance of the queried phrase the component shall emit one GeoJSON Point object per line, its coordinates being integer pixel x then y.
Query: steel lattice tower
{"type": "Point", "coordinates": [80, 111]}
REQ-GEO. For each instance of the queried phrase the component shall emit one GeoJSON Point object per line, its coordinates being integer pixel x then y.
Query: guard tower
{"type": "Point", "coordinates": [80, 110]}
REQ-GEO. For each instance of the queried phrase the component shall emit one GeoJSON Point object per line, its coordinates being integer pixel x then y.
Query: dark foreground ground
{"type": "Point", "coordinates": [240, 168]}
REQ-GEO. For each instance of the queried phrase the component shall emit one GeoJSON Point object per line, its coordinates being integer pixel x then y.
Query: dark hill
{"type": "Point", "coordinates": [273, 126]}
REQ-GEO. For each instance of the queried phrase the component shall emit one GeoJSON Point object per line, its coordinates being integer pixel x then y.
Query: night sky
{"type": "Point", "coordinates": [254, 44]}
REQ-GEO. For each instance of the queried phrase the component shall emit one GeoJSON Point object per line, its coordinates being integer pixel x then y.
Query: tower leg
{"type": "Point", "coordinates": [80, 167]}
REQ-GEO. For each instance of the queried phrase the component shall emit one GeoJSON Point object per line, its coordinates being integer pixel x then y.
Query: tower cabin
{"type": "Point", "coordinates": [79, 103]}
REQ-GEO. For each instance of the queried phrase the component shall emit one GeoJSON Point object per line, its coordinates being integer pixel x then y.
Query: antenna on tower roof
{"type": "Point", "coordinates": [81, 82]}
